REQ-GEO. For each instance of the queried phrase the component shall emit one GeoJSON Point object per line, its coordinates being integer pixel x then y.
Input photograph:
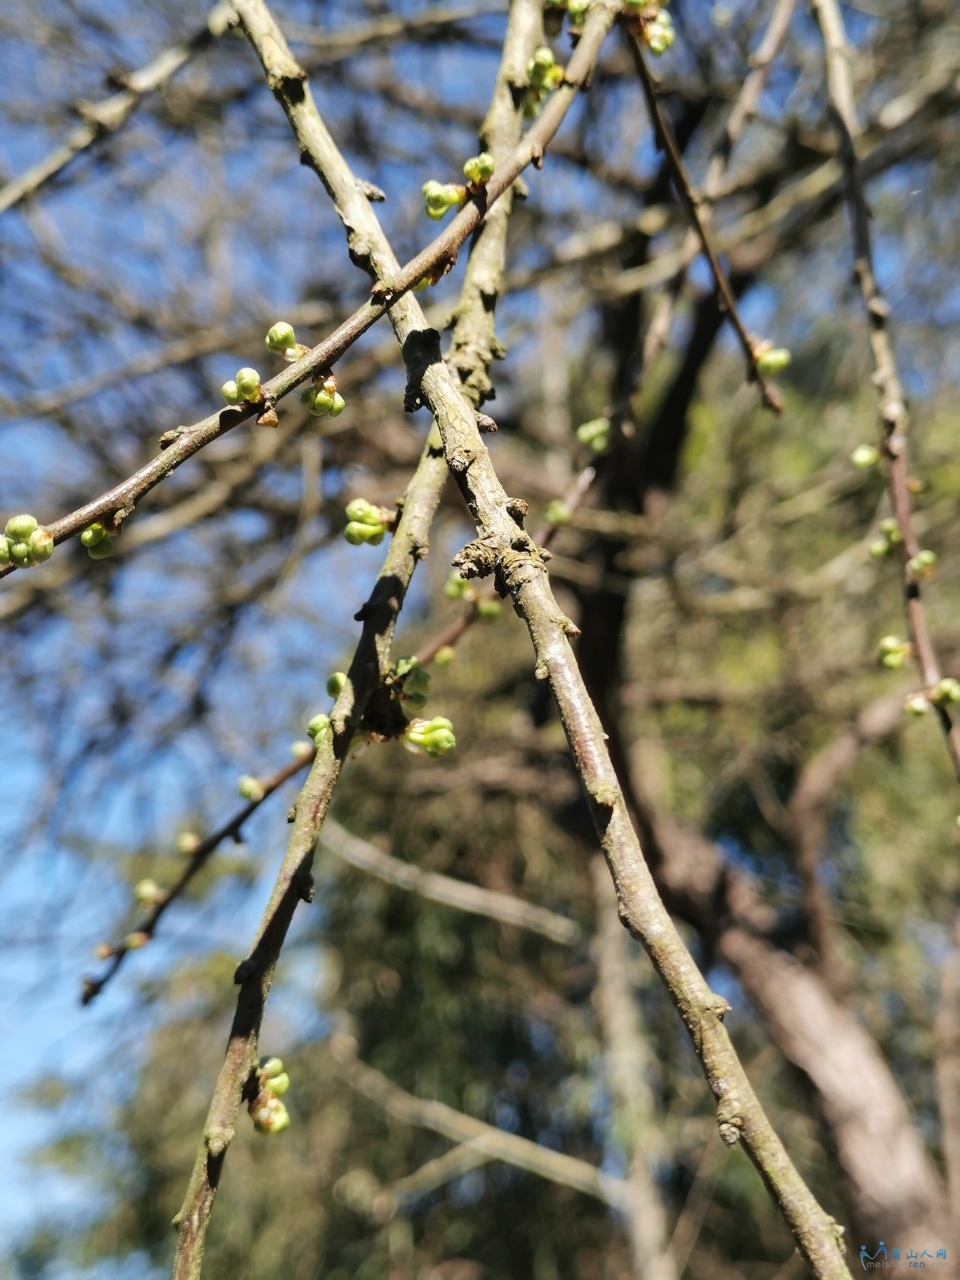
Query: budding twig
{"type": "Point", "coordinates": [895, 423]}
{"type": "Point", "coordinates": [664, 135]}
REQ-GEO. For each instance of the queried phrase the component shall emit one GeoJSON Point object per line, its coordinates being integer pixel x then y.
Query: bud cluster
{"type": "Point", "coordinates": [243, 388]}
{"type": "Point", "coordinates": [656, 24]}
{"type": "Point", "coordinates": [322, 397]}
{"type": "Point", "coordinates": [457, 588]}
{"type": "Point", "coordinates": [890, 537]}
{"type": "Point", "coordinates": [317, 726]}
{"type": "Point", "coordinates": [770, 360]}
{"type": "Point", "coordinates": [98, 542]}
{"type": "Point", "coordinates": [268, 1113]}
{"type": "Point", "coordinates": [544, 75]}
{"type": "Point", "coordinates": [595, 434]}
{"type": "Point", "coordinates": [479, 169]}
{"type": "Point", "coordinates": [921, 565]}
{"type": "Point", "coordinates": [149, 894]}
{"type": "Point", "coordinates": [894, 652]}
{"type": "Point", "coordinates": [250, 788]}
{"type": "Point", "coordinates": [25, 542]}
{"type": "Point", "coordinates": [433, 737]}
{"type": "Point", "coordinates": [366, 523]}
{"type": "Point", "coordinates": [282, 341]}
{"type": "Point", "coordinates": [945, 692]}
{"type": "Point", "coordinates": [438, 197]}
{"type": "Point", "coordinates": [412, 681]}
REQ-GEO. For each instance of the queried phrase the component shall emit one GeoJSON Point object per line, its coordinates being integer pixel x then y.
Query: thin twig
{"type": "Point", "coordinates": [894, 419]}
{"type": "Point", "coordinates": [105, 117]}
{"type": "Point", "coordinates": [666, 139]}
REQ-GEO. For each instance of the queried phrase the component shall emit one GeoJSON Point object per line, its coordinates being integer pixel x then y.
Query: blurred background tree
{"type": "Point", "coordinates": [719, 566]}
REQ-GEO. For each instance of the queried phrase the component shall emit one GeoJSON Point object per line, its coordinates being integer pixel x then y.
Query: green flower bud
{"type": "Point", "coordinates": [101, 550]}
{"type": "Point", "coordinates": [922, 563]}
{"type": "Point", "coordinates": [280, 337]}
{"type": "Point", "coordinates": [894, 660]}
{"type": "Point", "coordinates": [41, 545]}
{"type": "Point", "coordinates": [947, 691]}
{"type": "Point", "coordinates": [301, 749]}
{"type": "Point", "coordinates": [250, 788]}
{"type": "Point", "coordinates": [19, 528]}
{"type": "Point", "coordinates": [445, 655]}
{"type": "Point", "coordinates": [891, 529]}
{"type": "Point", "coordinates": [355, 533]}
{"type": "Point", "coordinates": [20, 554]}
{"type": "Point", "coordinates": [278, 1085]}
{"type": "Point", "coordinates": [360, 511]}
{"type": "Point", "coordinates": [576, 11]}
{"type": "Point", "coordinates": [595, 434]}
{"type": "Point", "coordinates": [865, 455]}
{"type": "Point", "coordinates": [93, 534]}
{"type": "Point", "coordinates": [890, 644]}
{"type": "Point", "coordinates": [455, 587]}
{"type": "Point", "coordinates": [880, 547]}
{"type": "Point", "coordinates": [338, 404]}
{"type": "Point", "coordinates": [268, 1113]}
{"type": "Point", "coordinates": [4, 549]}
{"type": "Point", "coordinates": [479, 169]}
{"type": "Point", "coordinates": [421, 285]}
{"type": "Point", "coordinates": [231, 392]}
{"type": "Point", "coordinates": [659, 36]}
{"type": "Point", "coordinates": [134, 941]}
{"type": "Point", "coordinates": [188, 842]}
{"type": "Point", "coordinates": [557, 513]}
{"type": "Point", "coordinates": [270, 1067]}
{"type": "Point", "coordinates": [489, 609]}
{"type": "Point", "coordinates": [321, 402]}
{"type": "Point", "coordinates": [336, 683]}
{"type": "Point", "coordinates": [248, 383]}
{"type": "Point", "coordinates": [441, 196]}
{"type": "Point", "coordinates": [103, 951]}
{"type": "Point", "coordinates": [916, 705]}
{"type": "Point", "coordinates": [774, 359]}
{"type": "Point", "coordinates": [148, 893]}
{"type": "Point", "coordinates": [318, 725]}
{"type": "Point", "coordinates": [434, 737]}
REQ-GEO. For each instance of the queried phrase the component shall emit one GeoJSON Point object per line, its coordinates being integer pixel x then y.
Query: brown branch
{"type": "Point", "coordinates": [948, 1073]}
{"type": "Point", "coordinates": [665, 138]}
{"type": "Point", "coordinates": [893, 412]}
{"type": "Point", "coordinates": [105, 117]}
{"type": "Point", "coordinates": [495, 1143]}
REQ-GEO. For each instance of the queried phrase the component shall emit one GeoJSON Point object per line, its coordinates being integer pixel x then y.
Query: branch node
{"type": "Point", "coordinates": [485, 424]}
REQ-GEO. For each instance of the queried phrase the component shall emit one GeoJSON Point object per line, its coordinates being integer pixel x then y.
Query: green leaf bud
{"type": "Point", "coordinates": [148, 893]}
{"type": "Point", "coordinates": [917, 705]}
{"type": "Point", "coordinates": [434, 737]}
{"type": "Point", "coordinates": [576, 11]}
{"type": "Point", "coordinates": [479, 169]}
{"type": "Point", "coordinates": [361, 511]}
{"type": "Point", "coordinates": [250, 788]}
{"type": "Point", "coordinates": [278, 1085]}
{"type": "Point", "coordinates": [270, 1067]}
{"type": "Point", "coordinates": [557, 513]}
{"type": "Point", "coordinates": [441, 196]}
{"type": "Point", "coordinates": [891, 529]}
{"type": "Point", "coordinates": [280, 337]}
{"type": "Point", "coordinates": [93, 534]}
{"type": "Point", "coordinates": [659, 36]}
{"type": "Point", "coordinates": [355, 533]}
{"type": "Point", "coordinates": [338, 405]}
{"type": "Point", "coordinates": [20, 554]}
{"type": "Point", "coordinates": [489, 609]}
{"type": "Point", "coordinates": [890, 644]}
{"type": "Point", "coordinates": [775, 359]}
{"type": "Point", "coordinates": [445, 655]}
{"type": "Point", "coordinates": [322, 402]}
{"type": "Point", "coordinates": [880, 547]}
{"type": "Point", "coordinates": [945, 692]}
{"type": "Point", "coordinates": [269, 1114]}
{"type": "Point", "coordinates": [865, 455]}
{"type": "Point", "coordinates": [595, 434]}
{"type": "Point", "coordinates": [922, 563]}
{"type": "Point", "coordinates": [19, 528]}
{"type": "Point", "coordinates": [455, 587]}
{"type": "Point", "coordinates": [41, 545]}
{"type": "Point", "coordinates": [894, 660]}
{"type": "Point", "coordinates": [101, 550]}
{"type": "Point", "coordinates": [318, 725]}
{"type": "Point", "coordinates": [231, 392]}
{"type": "Point", "coordinates": [248, 383]}
{"type": "Point", "coordinates": [301, 749]}
{"type": "Point", "coordinates": [336, 683]}
{"type": "Point", "coordinates": [188, 842]}
{"type": "Point", "coordinates": [4, 549]}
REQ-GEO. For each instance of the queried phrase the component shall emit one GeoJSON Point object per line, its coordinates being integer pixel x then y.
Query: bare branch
{"type": "Point", "coordinates": [948, 1073]}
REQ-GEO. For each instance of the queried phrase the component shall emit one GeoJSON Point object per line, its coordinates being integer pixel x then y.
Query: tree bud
{"type": "Point", "coordinates": [445, 655]}
{"type": "Point", "coordinates": [268, 1113]}
{"type": "Point", "coordinates": [301, 749]}
{"type": "Point", "coordinates": [188, 842]}
{"type": "Point", "coordinates": [434, 737]}
{"type": "Point", "coordinates": [441, 196]}
{"type": "Point", "coordinates": [148, 893]}
{"type": "Point", "coordinates": [916, 705]}
{"type": "Point", "coordinates": [248, 383]}
{"type": "Point", "coordinates": [103, 951]}
{"type": "Point", "coordinates": [134, 941]}
{"type": "Point", "coordinates": [280, 337]}
{"type": "Point", "coordinates": [250, 788]}
{"type": "Point", "coordinates": [922, 563]}
{"type": "Point", "coordinates": [338, 405]}
{"type": "Point", "coordinates": [774, 359]}
{"type": "Point", "coordinates": [945, 692]}
{"type": "Point", "coordinates": [455, 587]}
{"type": "Point", "coordinates": [93, 534]}
{"type": "Point", "coordinates": [4, 549]}
{"type": "Point", "coordinates": [659, 36]}
{"type": "Point", "coordinates": [41, 545]}
{"type": "Point", "coordinates": [336, 683]}
{"type": "Point", "coordinates": [479, 169]}
{"type": "Point", "coordinates": [595, 434]}
{"type": "Point", "coordinates": [557, 513]}
{"type": "Point", "coordinates": [101, 550]}
{"type": "Point", "coordinates": [19, 528]}
{"type": "Point", "coordinates": [270, 1067]}
{"type": "Point", "coordinates": [20, 554]}
{"type": "Point", "coordinates": [489, 609]}
{"type": "Point", "coordinates": [891, 529]}
{"type": "Point", "coordinates": [278, 1084]}
{"type": "Point", "coordinates": [318, 725]}
{"type": "Point", "coordinates": [231, 392]}
{"type": "Point", "coordinates": [880, 547]}
{"type": "Point", "coordinates": [865, 455]}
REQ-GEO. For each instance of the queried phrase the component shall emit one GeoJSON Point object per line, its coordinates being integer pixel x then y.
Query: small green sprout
{"type": "Point", "coordinates": [281, 337]}
{"type": "Point", "coordinates": [148, 893]}
{"type": "Point", "coordinates": [336, 683]}
{"type": "Point", "coordinates": [439, 197]}
{"type": "Point", "coordinates": [864, 456]}
{"type": "Point", "coordinates": [479, 169]}
{"type": "Point", "coordinates": [945, 692]}
{"type": "Point", "coordinates": [250, 788]}
{"type": "Point", "coordinates": [188, 842]}
{"type": "Point", "coordinates": [433, 737]}
{"type": "Point", "coordinates": [365, 523]}
{"type": "Point", "coordinates": [771, 360]}
{"type": "Point", "coordinates": [318, 725]}
{"type": "Point", "coordinates": [921, 565]}
{"type": "Point", "coordinates": [595, 434]}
